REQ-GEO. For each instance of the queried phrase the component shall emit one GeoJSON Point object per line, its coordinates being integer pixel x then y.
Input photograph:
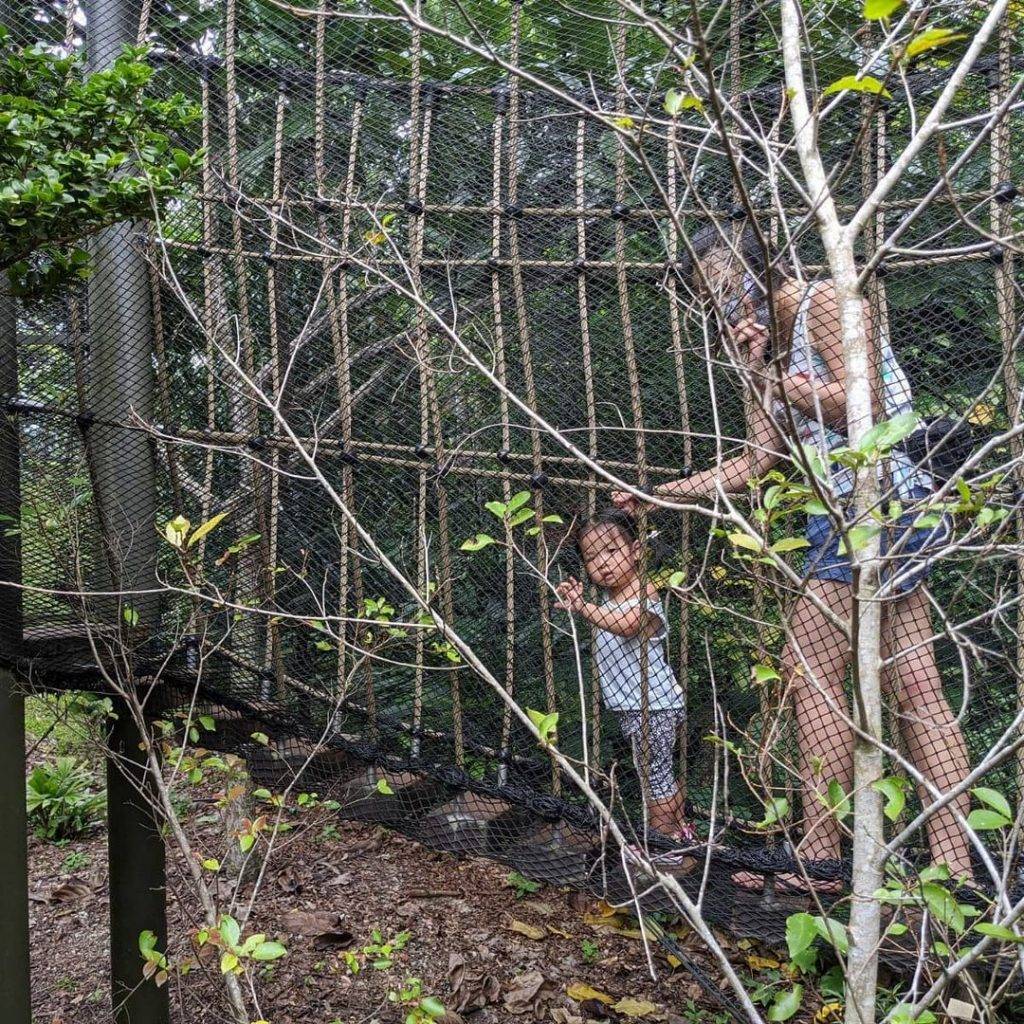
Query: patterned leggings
{"type": "Point", "coordinates": [662, 733]}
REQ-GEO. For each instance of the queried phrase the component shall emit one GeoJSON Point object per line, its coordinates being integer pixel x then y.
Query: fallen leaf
{"type": "Point", "coordinates": [529, 993]}
{"type": "Point", "coordinates": [472, 988]}
{"type": "Point", "coordinates": [605, 909]}
{"type": "Point", "coordinates": [69, 892]}
{"type": "Point", "coordinates": [322, 925]}
{"type": "Point", "coordinates": [635, 1008]}
{"type": "Point", "coordinates": [288, 880]}
{"type": "Point", "coordinates": [558, 931]}
{"type": "Point", "coordinates": [580, 991]}
{"type": "Point", "coordinates": [560, 1015]}
{"type": "Point", "coordinates": [531, 931]}
{"type": "Point", "coordinates": [762, 963]}
{"type": "Point", "coordinates": [580, 902]}
{"type": "Point", "coordinates": [539, 907]}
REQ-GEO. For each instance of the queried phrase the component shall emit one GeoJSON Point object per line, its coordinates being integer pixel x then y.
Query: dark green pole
{"type": "Point", "coordinates": [137, 877]}
{"type": "Point", "coordinates": [15, 990]}
{"type": "Point", "coordinates": [121, 385]}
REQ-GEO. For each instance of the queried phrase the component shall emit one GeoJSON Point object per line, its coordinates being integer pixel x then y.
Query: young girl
{"type": "Point", "coordinates": [808, 401]}
{"type": "Point", "coordinates": [631, 617]}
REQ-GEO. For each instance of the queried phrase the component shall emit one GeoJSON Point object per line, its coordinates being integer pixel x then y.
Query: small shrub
{"type": "Point", "coordinates": [61, 800]}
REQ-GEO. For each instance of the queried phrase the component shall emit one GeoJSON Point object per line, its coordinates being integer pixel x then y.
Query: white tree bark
{"type": "Point", "coordinates": [869, 840]}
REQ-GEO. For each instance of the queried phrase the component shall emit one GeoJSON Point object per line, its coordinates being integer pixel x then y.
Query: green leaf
{"type": "Point", "coordinates": [998, 931]}
{"type": "Point", "coordinates": [496, 508]}
{"type": "Point", "coordinates": [983, 821]}
{"type": "Point", "coordinates": [130, 615]}
{"type": "Point", "coordinates": [228, 963]}
{"type": "Point", "coordinates": [834, 933]}
{"type": "Point", "coordinates": [175, 531]}
{"type": "Point", "coordinates": [383, 788]}
{"type": "Point", "coordinates": [786, 1004]}
{"type": "Point", "coordinates": [208, 723]}
{"type": "Point", "coordinates": [202, 531]}
{"type": "Point", "coordinates": [269, 951]}
{"type": "Point", "coordinates": [743, 540]}
{"type": "Point", "coordinates": [801, 931]}
{"type": "Point", "coordinates": [211, 864]}
{"type": "Point", "coordinates": [478, 543]}
{"type": "Point", "coordinates": [260, 737]}
{"type": "Point", "coordinates": [883, 436]}
{"type": "Point", "coordinates": [246, 842]}
{"type": "Point", "coordinates": [765, 673]}
{"type": "Point", "coordinates": [520, 517]}
{"type": "Point", "coordinates": [546, 724]}
{"type": "Point", "coordinates": [432, 1007]}
{"type": "Point", "coordinates": [553, 519]}
{"type": "Point", "coordinates": [838, 802]}
{"type": "Point", "coordinates": [229, 930]}
{"type": "Point", "coordinates": [517, 501]}
{"type": "Point", "coordinates": [859, 536]}
{"type": "Point", "coordinates": [789, 544]}
{"type": "Point", "coordinates": [894, 791]}
{"type": "Point", "coordinates": [903, 1014]}
{"type": "Point", "coordinates": [867, 83]}
{"type": "Point", "coordinates": [147, 942]}
{"type": "Point", "coordinates": [874, 10]}
{"type": "Point", "coordinates": [942, 906]}
{"type": "Point", "coordinates": [994, 799]}
{"type": "Point", "coordinates": [929, 39]}
{"type": "Point", "coordinates": [777, 809]}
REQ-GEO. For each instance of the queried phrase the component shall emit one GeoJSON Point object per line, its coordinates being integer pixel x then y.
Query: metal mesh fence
{"type": "Point", "coordinates": [427, 305]}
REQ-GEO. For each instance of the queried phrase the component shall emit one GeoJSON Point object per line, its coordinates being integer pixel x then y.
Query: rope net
{"type": "Point", "coordinates": [331, 444]}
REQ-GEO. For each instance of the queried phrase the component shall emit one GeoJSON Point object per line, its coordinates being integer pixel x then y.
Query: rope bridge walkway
{"type": "Point", "coordinates": [371, 375]}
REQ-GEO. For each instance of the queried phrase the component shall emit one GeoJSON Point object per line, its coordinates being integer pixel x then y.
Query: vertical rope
{"type": "Point", "coordinates": [675, 330]}
{"type": "Point", "coordinates": [591, 403]}
{"type": "Point", "coordinates": [501, 368]}
{"type": "Point", "coordinates": [422, 104]}
{"type": "Point", "coordinates": [273, 655]}
{"type": "Point", "coordinates": [213, 300]}
{"type": "Point", "coordinates": [1006, 307]}
{"type": "Point", "coordinates": [163, 393]}
{"type": "Point", "coordinates": [523, 331]}
{"type": "Point", "coordinates": [248, 410]}
{"type": "Point", "coordinates": [338, 306]}
{"type": "Point", "coordinates": [632, 373]}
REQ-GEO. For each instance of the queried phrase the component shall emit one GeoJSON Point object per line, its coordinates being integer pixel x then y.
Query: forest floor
{"type": "Point", "coordinates": [489, 945]}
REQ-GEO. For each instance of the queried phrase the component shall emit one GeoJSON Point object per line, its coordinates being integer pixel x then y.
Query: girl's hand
{"type": "Point", "coordinates": [629, 503]}
{"type": "Point", "coordinates": [750, 337]}
{"type": "Point", "coordinates": [570, 595]}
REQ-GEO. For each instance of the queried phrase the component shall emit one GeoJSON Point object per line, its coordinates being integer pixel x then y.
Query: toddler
{"type": "Point", "coordinates": [631, 617]}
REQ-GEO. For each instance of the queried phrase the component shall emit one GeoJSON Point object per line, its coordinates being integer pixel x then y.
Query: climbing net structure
{"type": "Point", "coordinates": [311, 451]}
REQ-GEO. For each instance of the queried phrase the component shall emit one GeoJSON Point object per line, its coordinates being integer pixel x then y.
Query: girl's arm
{"type": "Point", "coordinates": [626, 622]}
{"type": "Point", "coordinates": [733, 475]}
{"type": "Point", "coordinates": [827, 399]}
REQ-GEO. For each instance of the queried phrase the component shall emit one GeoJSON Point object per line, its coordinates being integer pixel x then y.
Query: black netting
{"type": "Point", "coordinates": [400, 338]}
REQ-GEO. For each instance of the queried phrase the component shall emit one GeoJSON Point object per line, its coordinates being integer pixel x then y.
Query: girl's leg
{"type": "Point", "coordinates": [814, 661]}
{"type": "Point", "coordinates": [933, 739]}
{"type": "Point", "coordinates": [665, 804]}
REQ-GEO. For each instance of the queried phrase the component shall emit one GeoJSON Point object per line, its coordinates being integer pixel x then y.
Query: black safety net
{"type": "Point", "coordinates": [338, 449]}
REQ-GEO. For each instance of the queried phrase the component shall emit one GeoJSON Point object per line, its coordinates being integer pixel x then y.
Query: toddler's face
{"type": "Point", "coordinates": [609, 556]}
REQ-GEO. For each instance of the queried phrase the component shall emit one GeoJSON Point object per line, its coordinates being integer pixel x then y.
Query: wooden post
{"type": "Point", "coordinates": [121, 388]}
{"type": "Point", "coordinates": [15, 992]}
{"type": "Point", "coordinates": [137, 877]}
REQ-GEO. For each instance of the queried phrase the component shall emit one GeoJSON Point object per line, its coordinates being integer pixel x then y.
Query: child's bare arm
{"type": "Point", "coordinates": [626, 622]}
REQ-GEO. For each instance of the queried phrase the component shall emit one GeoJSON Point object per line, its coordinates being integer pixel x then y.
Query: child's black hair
{"type": "Point", "coordinates": [616, 517]}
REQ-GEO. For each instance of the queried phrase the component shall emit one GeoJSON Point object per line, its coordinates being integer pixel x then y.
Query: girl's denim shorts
{"type": "Point", "coordinates": [909, 563]}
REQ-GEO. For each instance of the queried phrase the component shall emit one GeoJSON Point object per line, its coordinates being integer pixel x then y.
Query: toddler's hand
{"type": "Point", "coordinates": [570, 595]}
{"type": "Point", "coordinates": [628, 502]}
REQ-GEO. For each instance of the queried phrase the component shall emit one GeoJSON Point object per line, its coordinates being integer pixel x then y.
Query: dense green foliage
{"type": "Point", "coordinates": [79, 153]}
